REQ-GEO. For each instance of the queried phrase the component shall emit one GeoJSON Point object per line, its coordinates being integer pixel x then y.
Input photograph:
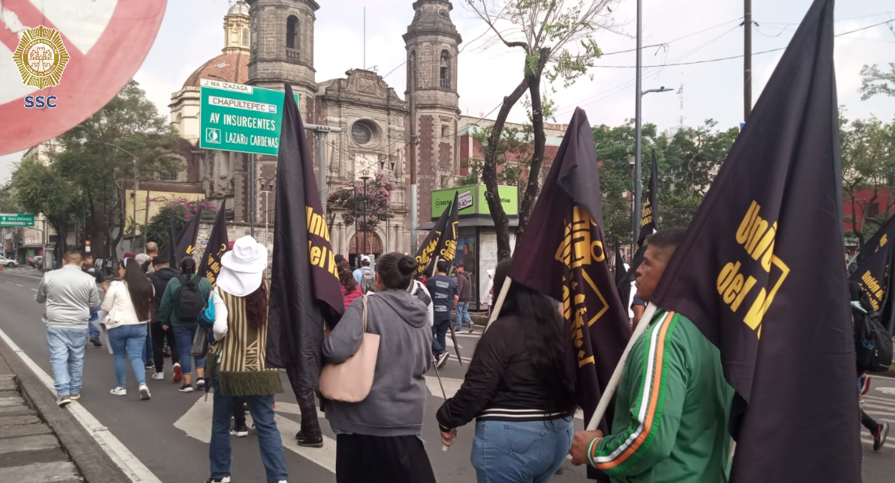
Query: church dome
{"type": "Point", "coordinates": [232, 67]}
{"type": "Point", "coordinates": [241, 8]}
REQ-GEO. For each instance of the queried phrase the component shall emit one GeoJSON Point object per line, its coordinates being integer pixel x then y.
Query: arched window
{"type": "Point", "coordinates": [292, 32]}
{"type": "Point", "coordinates": [445, 71]}
{"type": "Point", "coordinates": [245, 37]}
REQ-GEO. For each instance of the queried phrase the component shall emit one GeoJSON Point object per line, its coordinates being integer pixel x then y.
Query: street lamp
{"type": "Point", "coordinates": [638, 142]}
{"type": "Point", "coordinates": [265, 183]}
{"type": "Point", "coordinates": [136, 187]}
{"type": "Point", "coordinates": [387, 203]}
{"type": "Point", "coordinates": [365, 177]}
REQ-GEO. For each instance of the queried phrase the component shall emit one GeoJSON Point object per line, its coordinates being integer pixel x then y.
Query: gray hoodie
{"type": "Point", "coordinates": [397, 402]}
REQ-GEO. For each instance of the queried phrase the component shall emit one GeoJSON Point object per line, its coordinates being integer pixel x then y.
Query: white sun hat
{"type": "Point", "coordinates": [243, 267]}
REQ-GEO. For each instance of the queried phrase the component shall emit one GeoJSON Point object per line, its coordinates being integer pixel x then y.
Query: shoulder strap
{"type": "Point", "coordinates": [365, 313]}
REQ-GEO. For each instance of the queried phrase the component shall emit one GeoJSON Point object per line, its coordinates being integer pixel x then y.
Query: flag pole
{"type": "Point", "coordinates": [617, 374]}
{"type": "Point", "coordinates": [499, 304]}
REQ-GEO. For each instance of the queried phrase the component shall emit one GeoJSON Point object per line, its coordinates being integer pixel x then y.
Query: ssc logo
{"type": "Point", "coordinates": [41, 57]}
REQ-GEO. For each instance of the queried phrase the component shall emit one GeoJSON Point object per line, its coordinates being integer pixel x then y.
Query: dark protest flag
{"type": "Point", "coordinates": [874, 272]}
{"type": "Point", "coordinates": [218, 244]}
{"type": "Point", "coordinates": [564, 259]}
{"type": "Point", "coordinates": [185, 241]}
{"type": "Point", "coordinates": [649, 207]}
{"type": "Point", "coordinates": [622, 283]}
{"type": "Point", "coordinates": [760, 272]}
{"type": "Point", "coordinates": [620, 270]}
{"type": "Point", "coordinates": [441, 242]}
{"type": "Point", "coordinates": [304, 288]}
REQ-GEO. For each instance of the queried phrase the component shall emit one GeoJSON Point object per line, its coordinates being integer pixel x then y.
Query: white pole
{"type": "Point", "coordinates": [499, 304]}
{"type": "Point", "coordinates": [617, 374]}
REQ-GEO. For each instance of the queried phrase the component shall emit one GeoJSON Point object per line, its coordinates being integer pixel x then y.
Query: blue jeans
{"type": "Point", "coordinates": [520, 452]}
{"type": "Point", "coordinates": [439, 329]}
{"type": "Point", "coordinates": [94, 322]}
{"type": "Point", "coordinates": [261, 408]}
{"type": "Point", "coordinates": [463, 315]}
{"type": "Point", "coordinates": [184, 338]}
{"type": "Point", "coordinates": [127, 342]}
{"type": "Point", "coordinates": [67, 358]}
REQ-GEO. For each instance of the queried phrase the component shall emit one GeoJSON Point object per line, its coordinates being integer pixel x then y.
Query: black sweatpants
{"type": "Point", "coordinates": [310, 426]}
{"type": "Point", "coordinates": [159, 336]}
{"type": "Point", "coordinates": [869, 423]}
{"type": "Point", "coordinates": [373, 459]}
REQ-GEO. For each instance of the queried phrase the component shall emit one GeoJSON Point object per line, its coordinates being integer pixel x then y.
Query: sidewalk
{"type": "Point", "coordinates": [39, 441]}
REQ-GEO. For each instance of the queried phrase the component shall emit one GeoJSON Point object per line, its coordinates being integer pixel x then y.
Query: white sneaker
{"type": "Point", "coordinates": [118, 391]}
{"type": "Point", "coordinates": [144, 392]}
{"type": "Point", "coordinates": [159, 376]}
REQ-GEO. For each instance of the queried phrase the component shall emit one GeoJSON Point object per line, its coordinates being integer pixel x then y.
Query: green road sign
{"type": "Point", "coordinates": [7, 219]}
{"type": "Point", "coordinates": [241, 118]}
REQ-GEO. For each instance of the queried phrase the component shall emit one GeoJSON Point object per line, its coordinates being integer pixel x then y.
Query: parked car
{"type": "Point", "coordinates": [36, 261]}
{"type": "Point", "coordinates": [7, 262]}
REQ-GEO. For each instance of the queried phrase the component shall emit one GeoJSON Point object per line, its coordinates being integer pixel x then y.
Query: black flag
{"type": "Point", "coordinates": [441, 242]}
{"type": "Point", "coordinates": [304, 289]}
{"type": "Point", "coordinates": [564, 258]}
{"type": "Point", "coordinates": [185, 241]}
{"type": "Point", "coordinates": [874, 272]}
{"type": "Point", "coordinates": [761, 273]}
{"type": "Point", "coordinates": [218, 244]}
{"type": "Point", "coordinates": [649, 207]}
{"type": "Point", "coordinates": [622, 282]}
{"type": "Point", "coordinates": [620, 270]}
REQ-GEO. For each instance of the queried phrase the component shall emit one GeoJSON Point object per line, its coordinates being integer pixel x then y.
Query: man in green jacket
{"type": "Point", "coordinates": [673, 403]}
{"type": "Point", "coordinates": [184, 326]}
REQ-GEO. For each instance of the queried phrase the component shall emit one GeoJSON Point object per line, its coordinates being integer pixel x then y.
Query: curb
{"type": "Point", "coordinates": [91, 460]}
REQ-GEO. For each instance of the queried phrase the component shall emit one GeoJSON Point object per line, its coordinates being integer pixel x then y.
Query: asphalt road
{"type": "Point", "coordinates": [169, 433]}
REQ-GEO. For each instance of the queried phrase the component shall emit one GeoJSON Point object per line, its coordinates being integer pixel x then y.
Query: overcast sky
{"type": "Point", "coordinates": [692, 30]}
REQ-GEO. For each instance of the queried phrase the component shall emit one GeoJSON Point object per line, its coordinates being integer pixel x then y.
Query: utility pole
{"type": "Point", "coordinates": [365, 177]}
{"type": "Point", "coordinates": [413, 194]}
{"type": "Point", "coordinates": [747, 60]}
{"type": "Point", "coordinates": [322, 131]}
{"type": "Point", "coordinates": [252, 196]}
{"type": "Point", "coordinates": [638, 128]}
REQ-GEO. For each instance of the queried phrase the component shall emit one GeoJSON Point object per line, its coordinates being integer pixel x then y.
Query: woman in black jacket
{"type": "Point", "coordinates": [519, 391]}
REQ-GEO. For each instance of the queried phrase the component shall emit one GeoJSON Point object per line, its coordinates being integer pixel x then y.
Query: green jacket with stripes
{"type": "Point", "coordinates": [671, 410]}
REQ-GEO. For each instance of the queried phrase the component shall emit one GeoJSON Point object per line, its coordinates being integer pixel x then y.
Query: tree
{"type": "Point", "coordinates": [868, 174]}
{"type": "Point", "coordinates": [181, 211]}
{"type": "Point", "coordinates": [94, 155]}
{"type": "Point", "coordinates": [8, 201]}
{"type": "Point", "coordinates": [353, 201]}
{"type": "Point", "coordinates": [43, 189]}
{"type": "Point", "coordinates": [513, 145]}
{"type": "Point", "coordinates": [557, 37]}
{"type": "Point", "coordinates": [875, 81]}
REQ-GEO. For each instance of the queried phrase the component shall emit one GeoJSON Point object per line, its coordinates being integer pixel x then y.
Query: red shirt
{"type": "Point", "coordinates": [350, 297]}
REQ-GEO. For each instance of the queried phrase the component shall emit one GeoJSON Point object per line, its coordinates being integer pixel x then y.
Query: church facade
{"type": "Point", "coordinates": [269, 42]}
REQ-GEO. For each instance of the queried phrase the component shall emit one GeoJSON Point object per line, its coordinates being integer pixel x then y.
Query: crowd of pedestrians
{"type": "Point", "coordinates": [669, 423]}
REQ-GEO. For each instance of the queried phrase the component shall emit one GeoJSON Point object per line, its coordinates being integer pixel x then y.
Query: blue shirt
{"type": "Point", "coordinates": [443, 290]}
{"type": "Point", "coordinates": [359, 275]}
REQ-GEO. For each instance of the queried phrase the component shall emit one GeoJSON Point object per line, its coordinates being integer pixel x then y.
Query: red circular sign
{"type": "Point", "coordinates": [107, 41]}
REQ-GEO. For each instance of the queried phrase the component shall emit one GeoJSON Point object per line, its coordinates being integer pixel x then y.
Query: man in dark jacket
{"type": "Point", "coordinates": [160, 277]}
{"type": "Point", "coordinates": [464, 286]}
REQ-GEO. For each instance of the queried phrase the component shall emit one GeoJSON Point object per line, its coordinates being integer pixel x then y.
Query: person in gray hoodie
{"type": "Point", "coordinates": [379, 438]}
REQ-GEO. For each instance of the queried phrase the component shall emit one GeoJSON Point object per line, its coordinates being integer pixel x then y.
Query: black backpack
{"type": "Point", "coordinates": [368, 281]}
{"type": "Point", "coordinates": [873, 343]}
{"type": "Point", "coordinates": [189, 302]}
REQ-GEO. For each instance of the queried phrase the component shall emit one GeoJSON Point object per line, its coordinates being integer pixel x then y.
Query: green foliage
{"type": "Point", "coordinates": [8, 201]}
{"type": "Point", "coordinates": [687, 163]}
{"type": "Point", "coordinates": [180, 211]}
{"type": "Point", "coordinates": [43, 189]}
{"type": "Point", "coordinates": [875, 81]}
{"type": "Point", "coordinates": [354, 201]}
{"type": "Point", "coordinates": [868, 173]}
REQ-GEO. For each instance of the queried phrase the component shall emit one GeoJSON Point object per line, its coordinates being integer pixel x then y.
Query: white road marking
{"type": "Point", "coordinates": [451, 385]}
{"type": "Point", "coordinates": [135, 470]}
{"type": "Point", "coordinates": [19, 285]}
{"type": "Point", "coordinates": [885, 390]}
{"type": "Point", "coordinates": [196, 423]}
{"type": "Point", "coordinates": [34, 289]}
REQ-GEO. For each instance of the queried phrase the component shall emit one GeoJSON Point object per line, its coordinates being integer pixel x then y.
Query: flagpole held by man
{"type": "Point", "coordinates": [759, 272]}
{"type": "Point", "coordinates": [305, 293]}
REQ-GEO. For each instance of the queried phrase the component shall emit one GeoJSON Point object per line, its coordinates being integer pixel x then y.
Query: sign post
{"type": "Point", "coordinates": [240, 118]}
{"type": "Point", "coordinates": [7, 219]}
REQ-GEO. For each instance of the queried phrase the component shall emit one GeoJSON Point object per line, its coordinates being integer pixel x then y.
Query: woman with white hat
{"type": "Point", "coordinates": [236, 360]}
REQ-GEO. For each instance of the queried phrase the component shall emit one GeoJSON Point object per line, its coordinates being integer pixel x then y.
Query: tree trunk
{"type": "Point", "coordinates": [121, 224]}
{"type": "Point", "coordinates": [533, 187]}
{"type": "Point", "coordinates": [489, 172]}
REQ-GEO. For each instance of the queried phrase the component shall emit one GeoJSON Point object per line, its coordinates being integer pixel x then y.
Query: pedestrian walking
{"type": "Point", "coordinates": [364, 275]}
{"type": "Point", "coordinates": [90, 269]}
{"type": "Point", "coordinates": [861, 308]}
{"type": "Point", "coordinates": [68, 294]}
{"type": "Point", "coordinates": [129, 304]}
{"type": "Point", "coordinates": [445, 297]}
{"type": "Point", "coordinates": [518, 390]}
{"type": "Point", "coordinates": [673, 403]}
{"type": "Point", "coordinates": [236, 366]}
{"type": "Point", "coordinates": [464, 288]}
{"type": "Point", "coordinates": [160, 333]}
{"type": "Point", "coordinates": [379, 439]}
{"type": "Point", "coordinates": [185, 297]}
{"type": "Point", "coordinates": [350, 288]}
